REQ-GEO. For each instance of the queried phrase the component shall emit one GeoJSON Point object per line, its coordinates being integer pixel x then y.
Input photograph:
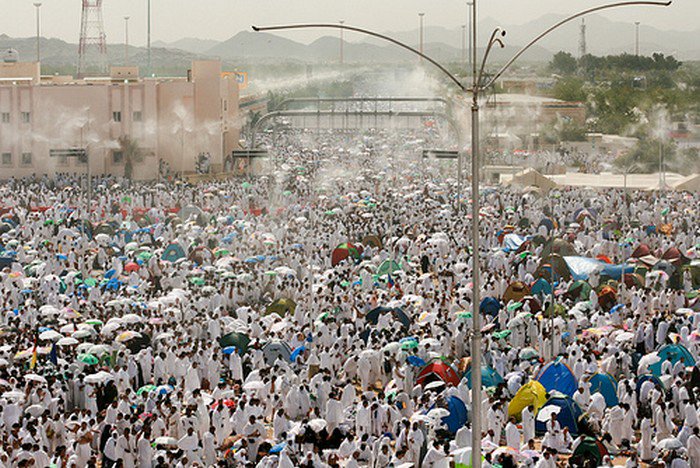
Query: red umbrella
{"type": "Point", "coordinates": [131, 266]}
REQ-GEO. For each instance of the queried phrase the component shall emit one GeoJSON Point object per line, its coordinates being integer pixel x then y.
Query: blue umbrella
{"type": "Point", "coordinates": [616, 308]}
{"type": "Point", "coordinates": [296, 353]}
{"type": "Point", "coordinates": [26, 291]}
{"type": "Point", "coordinates": [415, 361]}
{"type": "Point", "coordinates": [61, 257]}
{"type": "Point", "coordinates": [110, 273]}
{"type": "Point", "coordinates": [250, 260]}
{"type": "Point", "coordinates": [278, 448]}
{"type": "Point", "coordinates": [229, 350]}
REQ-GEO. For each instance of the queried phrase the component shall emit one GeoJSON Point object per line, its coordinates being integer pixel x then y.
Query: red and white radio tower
{"type": "Point", "coordinates": [92, 35]}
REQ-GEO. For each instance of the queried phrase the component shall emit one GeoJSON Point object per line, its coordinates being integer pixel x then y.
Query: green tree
{"type": "Point", "coordinates": [132, 154]}
{"type": "Point", "coordinates": [569, 89]}
{"type": "Point", "coordinates": [563, 63]}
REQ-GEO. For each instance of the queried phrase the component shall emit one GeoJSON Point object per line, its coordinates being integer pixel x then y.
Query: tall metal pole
{"type": "Point", "coordinates": [38, 32]}
{"type": "Point", "coordinates": [150, 64]}
{"type": "Point", "coordinates": [636, 38]}
{"type": "Point", "coordinates": [464, 44]}
{"type": "Point", "coordinates": [421, 15]}
{"type": "Point", "coordinates": [126, 40]}
{"type": "Point", "coordinates": [476, 288]}
{"type": "Point", "coordinates": [342, 41]}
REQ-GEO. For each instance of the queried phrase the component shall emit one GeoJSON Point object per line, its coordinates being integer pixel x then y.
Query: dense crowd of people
{"type": "Point", "coordinates": [321, 316]}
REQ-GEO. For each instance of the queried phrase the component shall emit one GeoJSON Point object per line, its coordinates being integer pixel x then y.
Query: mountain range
{"type": "Point", "coordinates": [603, 37]}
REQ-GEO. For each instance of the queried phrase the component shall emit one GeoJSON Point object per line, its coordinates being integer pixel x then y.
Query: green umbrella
{"type": "Point", "coordinates": [239, 340]}
{"type": "Point", "coordinates": [145, 256]}
{"type": "Point", "coordinates": [221, 252]}
{"type": "Point", "coordinates": [197, 281]}
{"type": "Point", "coordinates": [94, 322]}
{"type": "Point", "coordinates": [330, 213]}
{"type": "Point", "coordinates": [270, 273]}
{"type": "Point", "coordinates": [126, 199]}
{"type": "Point", "coordinates": [146, 389]}
{"type": "Point", "coordinates": [502, 334]}
{"type": "Point", "coordinates": [464, 315]}
{"type": "Point", "coordinates": [323, 317]}
{"type": "Point", "coordinates": [87, 358]}
{"type": "Point", "coordinates": [514, 306]}
{"type": "Point", "coordinates": [409, 345]}
{"type": "Point", "coordinates": [388, 267]}
{"type": "Point", "coordinates": [287, 193]}
{"type": "Point", "coordinates": [246, 185]}
{"type": "Point", "coordinates": [92, 282]}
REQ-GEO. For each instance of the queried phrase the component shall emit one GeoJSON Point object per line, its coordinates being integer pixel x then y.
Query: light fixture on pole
{"type": "Point", "coordinates": [38, 31]}
{"type": "Point", "coordinates": [469, 35]}
{"type": "Point", "coordinates": [478, 85]}
{"type": "Point", "coordinates": [126, 40]}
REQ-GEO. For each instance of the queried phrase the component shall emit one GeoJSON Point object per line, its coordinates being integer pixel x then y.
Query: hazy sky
{"type": "Point", "coordinates": [220, 19]}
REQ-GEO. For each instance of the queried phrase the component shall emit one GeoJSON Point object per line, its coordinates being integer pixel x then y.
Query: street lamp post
{"type": "Point", "coordinates": [469, 36]}
{"type": "Point", "coordinates": [636, 38]}
{"type": "Point", "coordinates": [38, 31]}
{"type": "Point", "coordinates": [478, 85]}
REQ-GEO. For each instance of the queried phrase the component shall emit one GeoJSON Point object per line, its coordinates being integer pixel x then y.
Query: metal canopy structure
{"type": "Point", "coordinates": [355, 113]}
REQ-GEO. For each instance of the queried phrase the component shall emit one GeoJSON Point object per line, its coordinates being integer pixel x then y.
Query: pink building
{"type": "Point", "coordinates": [173, 120]}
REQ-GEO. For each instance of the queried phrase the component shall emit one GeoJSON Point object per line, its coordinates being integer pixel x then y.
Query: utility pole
{"type": "Point", "coordinates": [150, 65]}
{"type": "Point", "coordinates": [464, 43]}
{"type": "Point", "coordinates": [469, 36]}
{"type": "Point", "coordinates": [38, 32]}
{"type": "Point", "coordinates": [126, 40]}
{"type": "Point", "coordinates": [342, 40]}
{"type": "Point", "coordinates": [421, 15]}
{"type": "Point", "coordinates": [636, 38]}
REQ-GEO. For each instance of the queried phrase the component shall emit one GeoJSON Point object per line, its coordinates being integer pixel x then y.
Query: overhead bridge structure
{"type": "Point", "coordinates": [356, 114]}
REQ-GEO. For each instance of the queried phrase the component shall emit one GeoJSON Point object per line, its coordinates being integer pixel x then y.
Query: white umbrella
{"type": "Point", "coordinates": [132, 318]}
{"type": "Point", "coordinates": [168, 441]}
{"type": "Point", "coordinates": [434, 385]}
{"type": "Point", "coordinates": [35, 378]}
{"type": "Point", "coordinates": [49, 310]}
{"type": "Point", "coordinates": [13, 395]}
{"type": "Point", "coordinates": [84, 333]}
{"type": "Point", "coordinates": [254, 385]}
{"type": "Point", "coordinates": [646, 361]}
{"type": "Point", "coordinates": [438, 413]}
{"type": "Point", "coordinates": [624, 336]}
{"type": "Point", "coordinates": [67, 341]}
{"type": "Point", "coordinates": [98, 377]}
{"type": "Point", "coordinates": [318, 424]}
{"type": "Point", "coordinates": [50, 335]}
{"type": "Point", "coordinates": [670, 444]}
{"type": "Point", "coordinates": [545, 414]}
{"type": "Point", "coordinates": [36, 410]}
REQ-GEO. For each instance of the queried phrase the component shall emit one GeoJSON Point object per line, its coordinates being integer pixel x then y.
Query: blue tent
{"type": "Point", "coordinates": [541, 287]}
{"type": "Point", "coordinates": [489, 377]}
{"type": "Point", "coordinates": [557, 376]}
{"type": "Point", "coordinates": [606, 385]}
{"type": "Point", "coordinates": [458, 414]}
{"type": "Point", "coordinates": [643, 378]}
{"type": "Point", "coordinates": [173, 253]}
{"type": "Point", "coordinates": [490, 306]}
{"type": "Point", "coordinates": [672, 353]}
{"type": "Point", "coordinates": [568, 416]}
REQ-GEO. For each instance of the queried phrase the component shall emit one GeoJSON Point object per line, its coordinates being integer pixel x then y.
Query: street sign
{"type": "Point", "coordinates": [440, 154]}
{"type": "Point", "coordinates": [253, 153]}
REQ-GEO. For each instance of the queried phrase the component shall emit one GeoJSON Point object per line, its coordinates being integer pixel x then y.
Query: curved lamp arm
{"type": "Point", "coordinates": [368, 33]}
{"type": "Point", "coordinates": [564, 21]}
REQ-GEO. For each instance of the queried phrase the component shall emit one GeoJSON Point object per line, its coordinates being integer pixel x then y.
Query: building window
{"type": "Point", "coordinates": [117, 116]}
{"type": "Point", "coordinates": [138, 117]}
{"type": "Point", "coordinates": [5, 117]}
{"type": "Point", "coordinates": [7, 159]}
{"type": "Point", "coordinates": [117, 157]}
{"type": "Point", "coordinates": [26, 117]}
{"type": "Point", "coordinates": [26, 159]}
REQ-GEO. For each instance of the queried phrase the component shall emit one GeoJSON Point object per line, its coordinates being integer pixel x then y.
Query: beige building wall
{"type": "Point", "coordinates": [170, 119]}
